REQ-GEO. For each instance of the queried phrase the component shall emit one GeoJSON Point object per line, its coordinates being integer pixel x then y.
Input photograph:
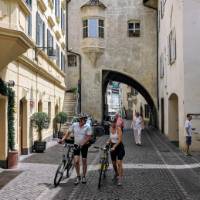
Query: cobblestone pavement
{"type": "Point", "coordinates": [155, 171]}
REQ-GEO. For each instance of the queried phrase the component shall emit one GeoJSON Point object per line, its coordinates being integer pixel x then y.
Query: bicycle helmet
{"type": "Point", "coordinates": [82, 116]}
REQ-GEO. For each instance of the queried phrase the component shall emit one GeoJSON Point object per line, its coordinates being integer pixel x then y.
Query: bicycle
{"type": "Point", "coordinates": [104, 163]}
{"type": "Point", "coordinates": [65, 165]}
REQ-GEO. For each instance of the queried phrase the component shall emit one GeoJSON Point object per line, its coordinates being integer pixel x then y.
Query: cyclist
{"type": "Point", "coordinates": [117, 150]}
{"type": "Point", "coordinates": [82, 135]}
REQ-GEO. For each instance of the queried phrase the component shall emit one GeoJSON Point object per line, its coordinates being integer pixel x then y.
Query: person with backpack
{"type": "Point", "coordinates": [82, 136]}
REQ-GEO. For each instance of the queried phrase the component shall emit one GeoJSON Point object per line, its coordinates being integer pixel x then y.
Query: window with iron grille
{"type": "Point", "coordinates": [72, 60]}
{"type": "Point", "coordinates": [93, 28]}
{"type": "Point", "coordinates": [134, 28]}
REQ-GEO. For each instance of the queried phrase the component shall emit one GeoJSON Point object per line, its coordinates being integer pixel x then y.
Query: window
{"type": "Point", "coordinates": [49, 43]}
{"type": "Point", "coordinates": [172, 47]}
{"type": "Point", "coordinates": [29, 3]}
{"type": "Point", "coordinates": [162, 65]}
{"type": "Point", "coordinates": [40, 31]}
{"type": "Point", "coordinates": [93, 28]}
{"type": "Point", "coordinates": [62, 21]}
{"type": "Point", "coordinates": [49, 110]}
{"type": "Point", "coordinates": [57, 55]}
{"type": "Point", "coordinates": [57, 8]}
{"type": "Point", "coordinates": [134, 29]}
{"type": "Point", "coordinates": [134, 92]}
{"type": "Point", "coordinates": [62, 62]}
{"type": "Point", "coordinates": [29, 19]}
{"type": "Point", "coordinates": [72, 61]}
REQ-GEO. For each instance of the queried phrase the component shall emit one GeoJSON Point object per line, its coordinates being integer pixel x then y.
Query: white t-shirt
{"type": "Point", "coordinates": [188, 125]}
{"type": "Point", "coordinates": [80, 132]}
{"type": "Point", "coordinates": [137, 123]}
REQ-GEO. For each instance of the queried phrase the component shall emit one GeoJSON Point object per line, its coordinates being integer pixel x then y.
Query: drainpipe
{"type": "Point", "coordinates": [156, 123]}
{"type": "Point", "coordinates": [74, 53]}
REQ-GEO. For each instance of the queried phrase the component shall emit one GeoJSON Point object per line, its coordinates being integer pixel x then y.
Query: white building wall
{"type": "Point", "coordinates": [191, 37]}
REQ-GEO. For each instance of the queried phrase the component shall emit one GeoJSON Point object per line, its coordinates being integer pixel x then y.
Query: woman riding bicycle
{"type": "Point", "coordinates": [117, 150]}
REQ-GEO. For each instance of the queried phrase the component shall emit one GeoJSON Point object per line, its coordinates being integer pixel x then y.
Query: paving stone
{"type": "Point", "coordinates": [140, 182]}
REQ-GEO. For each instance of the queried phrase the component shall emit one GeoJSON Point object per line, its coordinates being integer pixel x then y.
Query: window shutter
{"type": "Point", "coordinates": [43, 35]}
{"type": "Point", "coordinates": [30, 25]}
{"type": "Point", "coordinates": [37, 29]}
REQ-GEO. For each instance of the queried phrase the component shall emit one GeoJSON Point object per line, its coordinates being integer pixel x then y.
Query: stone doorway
{"type": "Point", "coordinates": [23, 127]}
{"type": "Point", "coordinates": [173, 119]}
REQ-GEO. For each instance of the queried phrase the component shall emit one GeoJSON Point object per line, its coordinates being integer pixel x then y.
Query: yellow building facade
{"type": "Point", "coordinates": [32, 54]}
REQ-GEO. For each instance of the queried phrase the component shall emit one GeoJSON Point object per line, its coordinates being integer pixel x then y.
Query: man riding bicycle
{"type": "Point", "coordinates": [82, 135]}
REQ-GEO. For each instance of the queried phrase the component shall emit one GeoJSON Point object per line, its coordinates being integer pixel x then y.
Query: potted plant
{"type": "Point", "coordinates": [12, 153]}
{"type": "Point", "coordinates": [60, 119]}
{"type": "Point", "coordinates": [40, 121]}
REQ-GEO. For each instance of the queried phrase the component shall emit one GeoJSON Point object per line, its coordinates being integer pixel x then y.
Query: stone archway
{"type": "Point", "coordinates": [23, 127]}
{"type": "Point", "coordinates": [173, 118]}
{"type": "Point", "coordinates": [108, 75]}
{"type": "Point", "coordinates": [3, 131]}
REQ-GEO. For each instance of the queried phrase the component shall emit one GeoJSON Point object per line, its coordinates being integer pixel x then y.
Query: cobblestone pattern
{"type": "Point", "coordinates": [138, 184]}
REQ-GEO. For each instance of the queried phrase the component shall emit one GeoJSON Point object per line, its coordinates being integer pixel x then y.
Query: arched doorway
{"type": "Point", "coordinates": [173, 119]}
{"type": "Point", "coordinates": [23, 128]}
{"type": "Point", "coordinates": [40, 106]}
{"type": "Point", "coordinates": [108, 75]}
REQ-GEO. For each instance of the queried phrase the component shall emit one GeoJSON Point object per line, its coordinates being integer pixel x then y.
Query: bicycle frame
{"type": "Point", "coordinates": [104, 163]}
{"type": "Point", "coordinates": [65, 165]}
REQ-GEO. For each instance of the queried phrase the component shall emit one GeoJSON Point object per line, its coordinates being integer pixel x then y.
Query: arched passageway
{"type": "Point", "coordinates": [173, 129]}
{"type": "Point", "coordinates": [108, 75]}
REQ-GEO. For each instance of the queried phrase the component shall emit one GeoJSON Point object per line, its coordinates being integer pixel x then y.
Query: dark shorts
{"type": "Point", "coordinates": [188, 140]}
{"type": "Point", "coordinates": [118, 153]}
{"type": "Point", "coordinates": [83, 151]}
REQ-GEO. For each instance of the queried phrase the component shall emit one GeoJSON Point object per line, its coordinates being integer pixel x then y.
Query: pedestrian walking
{"type": "Point", "coordinates": [82, 135]}
{"type": "Point", "coordinates": [119, 121]}
{"type": "Point", "coordinates": [140, 128]}
{"type": "Point", "coordinates": [117, 151]}
{"type": "Point", "coordinates": [136, 125]}
{"type": "Point", "coordinates": [188, 129]}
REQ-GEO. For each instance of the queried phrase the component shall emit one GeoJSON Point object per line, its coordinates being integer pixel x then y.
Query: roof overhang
{"type": "Point", "coordinates": [151, 3]}
{"type": "Point", "coordinates": [12, 44]}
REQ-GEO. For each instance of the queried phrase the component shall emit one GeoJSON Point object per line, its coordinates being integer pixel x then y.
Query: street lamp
{"type": "Point", "coordinates": [10, 83]}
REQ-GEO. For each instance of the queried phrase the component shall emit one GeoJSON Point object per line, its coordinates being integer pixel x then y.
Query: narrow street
{"type": "Point", "coordinates": [155, 171]}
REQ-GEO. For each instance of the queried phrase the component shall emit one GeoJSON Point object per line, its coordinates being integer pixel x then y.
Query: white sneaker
{"type": "Point", "coordinates": [77, 181]}
{"type": "Point", "coordinates": [84, 181]}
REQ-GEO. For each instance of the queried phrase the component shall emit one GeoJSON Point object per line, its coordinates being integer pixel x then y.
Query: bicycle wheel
{"type": "Point", "coordinates": [100, 174]}
{"type": "Point", "coordinates": [69, 167]}
{"type": "Point", "coordinates": [59, 173]}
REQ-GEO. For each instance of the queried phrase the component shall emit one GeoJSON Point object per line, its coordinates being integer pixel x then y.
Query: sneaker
{"type": "Point", "coordinates": [114, 178]}
{"type": "Point", "coordinates": [84, 181]}
{"type": "Point", "coordinates": [77, 181]}
{"type": "Point", "coordinates": [119, 182]}
{"type": "Point", "coordinates": [188, 154]}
